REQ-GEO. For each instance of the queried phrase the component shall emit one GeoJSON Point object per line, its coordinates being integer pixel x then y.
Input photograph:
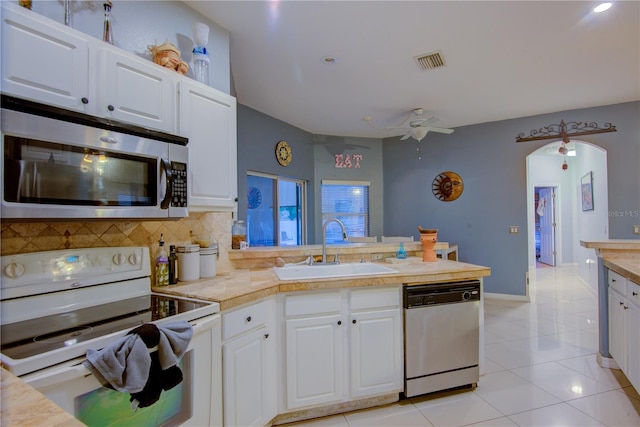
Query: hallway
{"type": "Point", "coordinates": [540, 370]}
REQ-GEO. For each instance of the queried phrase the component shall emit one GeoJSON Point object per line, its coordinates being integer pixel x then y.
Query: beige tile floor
{"type": "Point", "coordinates": [541, 370]}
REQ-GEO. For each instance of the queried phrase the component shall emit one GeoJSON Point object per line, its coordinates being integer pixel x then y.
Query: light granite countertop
{"type": "Point", "coordinates": [22, 405]}
{"type": "Point", "coordinates": [627, 267]}
{"type": "Point", "coordinates": [245, 286]}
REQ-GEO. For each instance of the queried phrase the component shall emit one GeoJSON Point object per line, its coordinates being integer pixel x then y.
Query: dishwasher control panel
{"type": "Point", "coordinates": [441, 293]}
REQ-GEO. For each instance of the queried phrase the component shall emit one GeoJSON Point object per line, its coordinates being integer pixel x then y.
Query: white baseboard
{"type": "Point", "coordinates": [606, 362]}
{"type": "Point", "coordinates": [507, 297]}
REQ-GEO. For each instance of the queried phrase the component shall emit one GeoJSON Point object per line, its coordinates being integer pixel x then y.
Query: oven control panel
{"type": "Point", "coordinates": [43, 272]}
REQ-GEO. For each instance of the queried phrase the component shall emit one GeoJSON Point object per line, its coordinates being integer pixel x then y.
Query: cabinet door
{"type": "Point", "coordinates": [617, 328]}
{"type": "Point", "coordinates": [208, 118]}
{"type": "Point", "coordinates": [376, 352]}
{"type": "Point", "coordinates": [136, 91]}
{"type": "Point", "coordinates": [314, 360]}
{"type": "Point", "coordinates": [633, 345]}
{"type": "Point", "coordinates": [245, 379]}
{"type": "Point", "coordinates": [43, 61]}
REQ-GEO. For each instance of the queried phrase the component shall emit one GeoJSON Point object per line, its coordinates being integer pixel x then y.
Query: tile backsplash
{"type": "Point", "coordinates": [24, 237]}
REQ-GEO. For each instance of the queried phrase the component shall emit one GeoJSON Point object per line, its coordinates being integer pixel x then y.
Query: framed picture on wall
{"type": "Point", "coordinates": [586, 191]}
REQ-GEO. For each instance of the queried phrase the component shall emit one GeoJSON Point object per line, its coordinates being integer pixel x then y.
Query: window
{"type": "Point", "coordinates": [347, 201]}
{"type": "Point", "coordinates": [275, 210]}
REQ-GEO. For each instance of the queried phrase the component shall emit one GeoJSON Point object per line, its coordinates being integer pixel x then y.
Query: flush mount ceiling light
{"type": "Point", "coordinates": [329, 60]}
{"type": "Point", "coordinates": [602, 7]}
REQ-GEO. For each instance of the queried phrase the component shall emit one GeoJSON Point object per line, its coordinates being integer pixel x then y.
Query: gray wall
{"type": "Point", "coordinates": [137, 24]}
{"type": "Point", "coordinates": [370, 170]}
{"type": "Point", "coordinates": [492, 166]}
{"type": "Point", "coordinates": [258, 135]}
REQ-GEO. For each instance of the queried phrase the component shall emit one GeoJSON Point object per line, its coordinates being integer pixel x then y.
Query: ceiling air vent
{"type": "Point", "coordinates": [429, 61]}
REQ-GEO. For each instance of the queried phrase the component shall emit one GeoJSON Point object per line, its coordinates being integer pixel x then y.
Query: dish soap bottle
{"type": "Point", "coordinates": [401, 254]}
{"type": "Point", "coordinates": [162, 265]}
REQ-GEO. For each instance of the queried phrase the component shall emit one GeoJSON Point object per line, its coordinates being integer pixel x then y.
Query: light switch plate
{"type": "Point", "coordinates": [636, 229]}
{"type": "Point", "coordinates": [514, 229]}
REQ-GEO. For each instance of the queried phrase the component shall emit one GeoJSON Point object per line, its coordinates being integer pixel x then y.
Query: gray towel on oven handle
{"type": "Point", "coordinates": [124, 365]}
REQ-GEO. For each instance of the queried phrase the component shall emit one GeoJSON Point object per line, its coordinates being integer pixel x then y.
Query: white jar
{"type": "Point", "coordinates": [208, 261]}
{"type": "Point", "coordinates": [188, 263]}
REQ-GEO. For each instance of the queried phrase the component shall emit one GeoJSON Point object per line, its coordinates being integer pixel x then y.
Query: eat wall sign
{"type": "Point", "coordinates": [347, 160]}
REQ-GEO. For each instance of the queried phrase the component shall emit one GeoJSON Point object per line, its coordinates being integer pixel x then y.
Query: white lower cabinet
{"type": "Point", "coordinates": [375, 368]}
{"type": "Point", "coordinates": [618, 328]}
{"type": "Point", "coordinates": [342, 345]}
{"type": "Point", "coordinates": [248, 360]}
{"type": "Point", "coordinates": [624, 326]}
{"type": "Point", "coordinates": [633, 347]}
{"type": "Point", "coordinates": [314, 366]}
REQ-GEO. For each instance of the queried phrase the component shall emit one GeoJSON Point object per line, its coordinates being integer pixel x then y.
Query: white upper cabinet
{"type": "Point", "coordinates": [208, 118]}
{"type": "Point", "coordinates": [135, 90]}
{"type": "Point", "coordinates": [44, 62]}
{"type": "Point", "coordinates": [50, 63]}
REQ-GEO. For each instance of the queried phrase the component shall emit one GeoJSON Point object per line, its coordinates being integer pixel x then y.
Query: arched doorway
{"type": "Point", "coordinates": [571, 223]}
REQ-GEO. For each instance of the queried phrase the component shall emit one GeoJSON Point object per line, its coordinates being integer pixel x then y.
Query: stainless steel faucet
{"type": "Point", "coordinates": [324, 238]}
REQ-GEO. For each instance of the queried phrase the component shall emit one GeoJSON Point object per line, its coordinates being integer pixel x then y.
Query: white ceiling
{"type": "Point", "coordinates": [504, 59]}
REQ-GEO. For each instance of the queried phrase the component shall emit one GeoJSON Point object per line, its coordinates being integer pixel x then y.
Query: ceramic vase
{"type": "Point", "coordinates": [428, 241]}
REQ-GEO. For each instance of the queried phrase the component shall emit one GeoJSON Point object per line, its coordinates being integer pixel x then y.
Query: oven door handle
{"type": "Point", "coordinates": [205, 323]}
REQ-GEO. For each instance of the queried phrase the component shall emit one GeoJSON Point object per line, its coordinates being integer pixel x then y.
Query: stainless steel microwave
{"type": "Point", "coordinates": [60, 164]}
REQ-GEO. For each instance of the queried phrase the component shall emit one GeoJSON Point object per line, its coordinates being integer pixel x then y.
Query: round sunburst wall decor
{"type": "Point", "coordinates": [447, 186]}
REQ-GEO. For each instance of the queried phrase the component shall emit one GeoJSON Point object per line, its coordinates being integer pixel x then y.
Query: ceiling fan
{"type": "Point", "coordinates": [419, 127]}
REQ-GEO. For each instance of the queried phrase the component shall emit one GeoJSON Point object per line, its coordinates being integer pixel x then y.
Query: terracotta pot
{"type": "Point", "coordinates": [428, 241]}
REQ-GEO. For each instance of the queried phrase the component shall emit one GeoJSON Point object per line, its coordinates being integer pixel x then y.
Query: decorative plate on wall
{"type": "Point", "coordinates": [254, 198]}
{"type": "Point", "coordinates": [283, 153]}
{"type": "Point", "coordinates": [447, 186]}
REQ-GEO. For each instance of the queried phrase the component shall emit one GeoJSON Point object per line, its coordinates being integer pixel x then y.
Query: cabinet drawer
{"type": "Point", "coordinates": [618, 282]}
{"type": "Point", "coordinates": [633, 292]}
{"type": "Point", "coordinates": [314, 303]}
{"type": "Point", "coordinates": [364, 299]}
{"type": "Point", "coordinates": [244, 319]}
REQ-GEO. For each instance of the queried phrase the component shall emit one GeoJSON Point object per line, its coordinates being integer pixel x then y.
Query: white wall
{"type": "Point", "coordinates": [591, 225]}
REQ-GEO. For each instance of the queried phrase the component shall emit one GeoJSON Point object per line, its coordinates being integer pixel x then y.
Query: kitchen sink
{"type": "Point", "coordinates": [323, 271]}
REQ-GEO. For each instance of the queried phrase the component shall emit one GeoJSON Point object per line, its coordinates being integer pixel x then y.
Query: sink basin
{"type": "Point", "coordinates": [298, 272]}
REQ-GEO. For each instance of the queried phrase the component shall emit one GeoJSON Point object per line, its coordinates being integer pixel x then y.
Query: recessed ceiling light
{"type": "Point", "coordinates": [602, 7]}
{"type": "Point", "coordinates": [329, 60]}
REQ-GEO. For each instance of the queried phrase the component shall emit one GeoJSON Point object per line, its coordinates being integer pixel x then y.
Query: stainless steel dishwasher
{"type": "Point", "coordinates": [441, 336]}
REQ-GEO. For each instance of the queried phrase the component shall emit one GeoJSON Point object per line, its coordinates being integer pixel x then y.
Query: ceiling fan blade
{"type": "Point", "coordinates": [406, 136]}
{"type": "Point", "coordinates": [441, 130]}
{"type": "Point", "coordinates": [431, 119]}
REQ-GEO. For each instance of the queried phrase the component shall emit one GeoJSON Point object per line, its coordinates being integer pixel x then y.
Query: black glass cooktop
{"type": "Point", "coordinates": [40, 335]}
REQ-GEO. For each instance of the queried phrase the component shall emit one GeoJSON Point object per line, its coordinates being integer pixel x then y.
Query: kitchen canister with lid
{"type": "Point", "coordinates": [208, 261]}
{"type": "Point", "coordinates": [188, 262]}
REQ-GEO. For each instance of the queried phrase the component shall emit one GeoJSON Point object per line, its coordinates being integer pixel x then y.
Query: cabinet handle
{"type": "Point", "coordinates": [84, 100]}
{"type": "Point", "coordinates": [635, 294]}
{"type": "Point", "coordinates": [266, 336]}
{"type": "Point", "coordinates": [621, 303]}
{"type": "Point", "coordinates": [249, 319]}
{"type": "Point", "coordinates": [626, 308]}
{"type": "Point", "coordinates": [354, 321]}
{"type": "Point", "coordinates": [339, 322]}
{"type": "Point", "coordinates": [613, 280]}
{"type": "Point", "coordinates": [110, 107]}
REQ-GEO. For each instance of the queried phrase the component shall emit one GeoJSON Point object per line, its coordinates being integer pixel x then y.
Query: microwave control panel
{"type": "Point", "coordinates": [179, 185]}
